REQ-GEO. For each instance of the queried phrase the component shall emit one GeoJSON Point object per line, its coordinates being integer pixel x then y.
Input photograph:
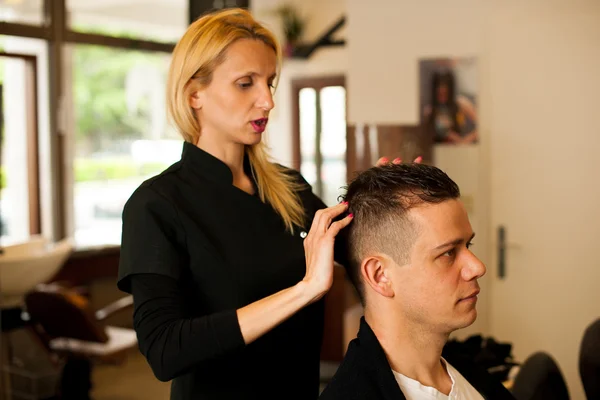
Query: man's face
{"type": "Point", "coordinates": [438, 288]}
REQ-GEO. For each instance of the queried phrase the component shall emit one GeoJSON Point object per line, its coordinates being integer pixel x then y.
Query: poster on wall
{"type": "Point", "coordinates": [448, 99]}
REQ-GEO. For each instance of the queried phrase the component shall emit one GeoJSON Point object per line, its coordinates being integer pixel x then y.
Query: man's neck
{"type": "Point", "coordinates": [411, 350]}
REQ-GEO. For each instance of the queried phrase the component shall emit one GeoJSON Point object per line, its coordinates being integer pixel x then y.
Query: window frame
{"type": "Point", "coordinates": [33, 187]}
{"type": "Point", "coordinates": [316, 83]}
{"type": "Point", "coordinates": [57, 34]}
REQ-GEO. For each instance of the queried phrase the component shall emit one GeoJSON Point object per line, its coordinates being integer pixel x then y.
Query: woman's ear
{"type": "Point", "coordinates": [196, 96]}
{"type": "Point", "coordinates": [376, 274]}
{"type": "Point", "coordinates": [195, 99]}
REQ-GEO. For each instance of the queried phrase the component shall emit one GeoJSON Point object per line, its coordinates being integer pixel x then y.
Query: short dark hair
{"type": "Point", "coordinates": [379, 198]}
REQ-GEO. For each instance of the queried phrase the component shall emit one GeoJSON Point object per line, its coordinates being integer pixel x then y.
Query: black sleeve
{"type": "Point", "coordinates": [153, 240]}
{"type": "Point", "coordinates": [171, 342]}
{"type": "Point", "coordinates": [153, 257]}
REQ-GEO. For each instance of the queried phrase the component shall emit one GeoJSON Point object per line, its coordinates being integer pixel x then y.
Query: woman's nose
{"type": "Point", "coordinates": [266, 100]}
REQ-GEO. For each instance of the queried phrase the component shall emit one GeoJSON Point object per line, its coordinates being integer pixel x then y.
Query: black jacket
{"type": "Point", "coordinates": [195, 249]}
{"type": "Point", "coordinates": [366, 374]}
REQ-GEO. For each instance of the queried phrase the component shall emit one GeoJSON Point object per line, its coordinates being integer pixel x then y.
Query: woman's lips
{"type": "Point", "coordinates": [259, 125]}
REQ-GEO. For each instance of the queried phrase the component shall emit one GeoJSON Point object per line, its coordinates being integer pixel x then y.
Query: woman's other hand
{"type": "Point", "coordinates": [318, 248]}
{"type": "Point", "coordinates": [398, 160]}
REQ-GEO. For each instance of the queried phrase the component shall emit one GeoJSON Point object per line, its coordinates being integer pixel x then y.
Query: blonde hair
{"type": "Point", "coordinates": [201, 49]}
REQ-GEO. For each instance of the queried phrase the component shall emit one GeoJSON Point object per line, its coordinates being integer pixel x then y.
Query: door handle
{"type": "Point", "coordinates": [502, 247]}
{"type": "Point", "coordinates": [501, 252]}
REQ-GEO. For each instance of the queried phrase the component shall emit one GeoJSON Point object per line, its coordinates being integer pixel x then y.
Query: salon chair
{"type": "Point", "coordinates": [72, 332]}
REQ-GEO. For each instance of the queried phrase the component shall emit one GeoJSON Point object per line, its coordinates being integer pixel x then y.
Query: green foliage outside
{"type": "Point", "coordinates": [101, 113]}
{"type": "Point", "coordinates": [91, 170]}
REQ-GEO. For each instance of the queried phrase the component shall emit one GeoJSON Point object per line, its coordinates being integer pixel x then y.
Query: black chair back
{"type": "Point", "coordinates": [540, 378]}
{"type": "Point", "coordinates": [589, 360]}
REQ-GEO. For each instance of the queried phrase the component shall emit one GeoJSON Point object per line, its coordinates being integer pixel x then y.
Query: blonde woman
{"type": "Point", "coordinates": [226, 253]}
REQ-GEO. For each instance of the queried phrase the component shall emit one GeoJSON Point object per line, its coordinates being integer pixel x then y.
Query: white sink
{"type": "Point", "coordinates": [24, 265]}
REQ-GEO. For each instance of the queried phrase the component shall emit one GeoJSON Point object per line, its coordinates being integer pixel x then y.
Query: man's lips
{"type": "Point", "coordinates": [471, 296]}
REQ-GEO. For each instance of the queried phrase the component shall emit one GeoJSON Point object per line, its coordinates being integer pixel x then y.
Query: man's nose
{"type": "Point", "coordinates": [474, 268]}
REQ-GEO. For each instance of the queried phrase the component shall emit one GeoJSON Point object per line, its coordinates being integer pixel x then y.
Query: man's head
{"type": "Point", "coordinates": [408, 246]}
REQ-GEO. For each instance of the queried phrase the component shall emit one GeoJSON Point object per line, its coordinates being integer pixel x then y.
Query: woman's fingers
{"type": "Point", "coordinates": [382, 161]}
{"type": "Point", "coordinates": [323, 218]}
{"type": "Point", "coordinates": [385, 161]}
{"type": "Point", "coordinates": [319, 247]}
{"type": "Point", "coordinates": [337, 226]}
{"type": "Point", "coordinates": [329, 214]}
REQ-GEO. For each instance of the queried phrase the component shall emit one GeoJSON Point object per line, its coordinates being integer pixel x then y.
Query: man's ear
{"type": "Point", "coordinates": [375, 271]}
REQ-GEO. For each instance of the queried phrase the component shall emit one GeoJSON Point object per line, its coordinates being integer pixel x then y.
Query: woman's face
{"type": "Point", "coordinates": [235, 105]}
{"type": "Point", "coordinates": [442, 93]}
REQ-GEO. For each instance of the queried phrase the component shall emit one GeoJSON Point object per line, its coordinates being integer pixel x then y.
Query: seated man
{"type": "Point", "coordinates": [409, 259]}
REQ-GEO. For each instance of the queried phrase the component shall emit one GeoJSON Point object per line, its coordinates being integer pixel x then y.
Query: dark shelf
{"type": "Point", "coordinates": [304, 51]}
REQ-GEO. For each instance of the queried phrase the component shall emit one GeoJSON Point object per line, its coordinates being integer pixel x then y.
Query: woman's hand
{"type": "Point", "coordinates": [318, 249]}
{"type": "Point", "coordinates": [385, 160]}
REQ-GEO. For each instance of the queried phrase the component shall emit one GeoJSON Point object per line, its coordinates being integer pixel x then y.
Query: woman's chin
{"type": "Point", "coordinates": [253, 139]}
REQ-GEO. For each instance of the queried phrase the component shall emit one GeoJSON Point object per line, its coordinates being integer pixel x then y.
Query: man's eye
{"type": "Point", "coordinates": [450, 253]}
{"type": "Point", "coordinates": [469, 245]}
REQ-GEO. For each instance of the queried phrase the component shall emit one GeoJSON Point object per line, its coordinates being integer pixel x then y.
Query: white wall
{"type": "Point", "coordinates": [386, 39]}
{"type": "Point", "coordinates": [324, 62]}
{"type": "Point", "coordinates": [544, 83]}
{"type": "Point", "coordinates": [390, 83]}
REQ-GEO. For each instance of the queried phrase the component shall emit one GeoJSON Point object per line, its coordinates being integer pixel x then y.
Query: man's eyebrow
{"type": "Point", "coordinates": [453, 243]}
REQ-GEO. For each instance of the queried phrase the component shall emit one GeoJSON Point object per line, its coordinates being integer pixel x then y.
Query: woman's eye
{"type": "Point", "coordinates": [245, 84]}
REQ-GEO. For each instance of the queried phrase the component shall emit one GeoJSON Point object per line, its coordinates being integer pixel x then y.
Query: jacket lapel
{"type": "Point", "coordinates": [379, 368]}
{"type": "Point", "coordinates": [484, 383]}
{"type": "Point", "coordinates": [386, 387]}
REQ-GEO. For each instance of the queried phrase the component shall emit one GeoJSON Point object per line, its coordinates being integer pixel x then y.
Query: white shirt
{"type": "Point", "coordinates": [461, 388]}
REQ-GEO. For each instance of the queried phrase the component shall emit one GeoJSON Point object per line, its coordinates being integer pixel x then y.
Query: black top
{"type": "Point", "coordinates": [194, 249]}
{"type": "Point", "coordinates": [365, 374]}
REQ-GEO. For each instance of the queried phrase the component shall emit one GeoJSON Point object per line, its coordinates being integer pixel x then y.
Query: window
{"type": "Point", "coordinates": [23, 116]}
{"type": "Point", "coordinates": [320, 135]}
{"type": "Point", "coordinates": [17, 162]}
{"type": "Point", "coordinates": [158, 20]}
{"type": "Point", "coordinates": [30, 12]}
{"type": "Point", "coordinates": [333, 142]}
{"type": "Point", "coordinates": [121, 135]}
{"type": "Point", "coordinates": [101, 116]}
{"type": "Point", "coordinates": [308, 134]}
